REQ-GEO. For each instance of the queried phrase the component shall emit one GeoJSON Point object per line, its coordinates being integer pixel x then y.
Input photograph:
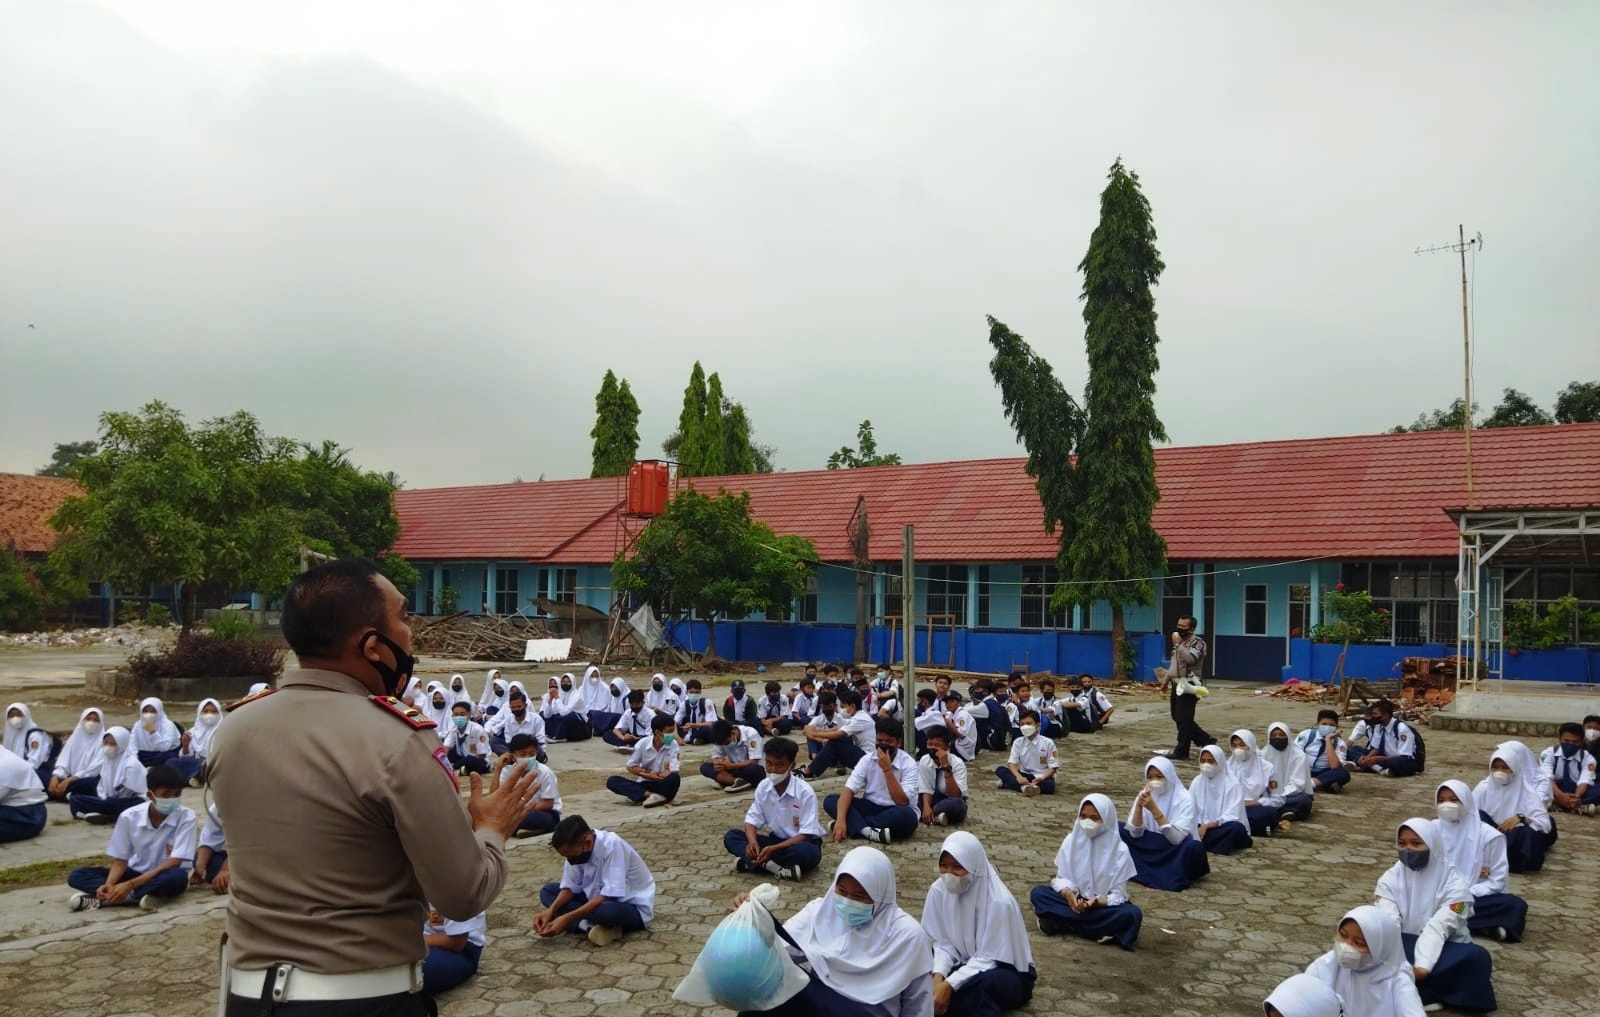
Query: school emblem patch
{"type": "Point", "coordinates": [1044, 758]}
{"type": "Point", "coordinates": [1459, 907]}
{"type": "Point", "coordinates": [442, 754]}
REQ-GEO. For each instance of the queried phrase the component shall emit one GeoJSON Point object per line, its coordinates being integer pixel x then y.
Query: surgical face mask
{"type": "Point", "coordinates": [1501, 777]}
{"type": "Point", "coordinates": [693, 697]}
{"type": "Point", "coordinates": [1029, 730]}
{"type": "Point", "coordinates": [1241, 754]}
{"type": "Point", "coordinates": [669, 737]}
{"type": "Point", "coordinates": [1091, 827]}
{"type": "Point", "coordinates": [166, 806]}
{"type": "Point", "coordinates": [1281, 744]}
{"type": "Point", "coordinates": [882, 676]}
{"type": "Point", "coordinates": [1592, 734]}
{"type": "Point", "coordinates": [209, 718]}
{"type": "Point", "coordinates": [109, 751]}
{"type": "Point", "coordinates": [529, 762]}
{"type": "Point", "coordinates": [459, 722]}
{"type": "Point", "coordinates": [955, 884]}
{"type": "Point", "coordinates": [1450, 812]}
{"type": "Point", "coordinates": [1416, 861]}
{"type": "Point", "coordinates": [14, 721]}
{"type": "Point", "coordinates": [91, 727]}
{"type": "Point", "coordinates": [1348, 956]}
{"type": "Point", "coordinates": [1209, 769]}
{"type": "Point", "coordinates": [854, 913]}
{"type": "Point", "coordinates": [1324, 730]}
{"type": "Point", "coordinates": [1158, 785]}
{"type": "Point", "coordinates": [148, 719]}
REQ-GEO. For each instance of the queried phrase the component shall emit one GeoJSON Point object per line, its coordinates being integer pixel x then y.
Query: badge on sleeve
{"type": "Point", "coordinates": [442, 754]}
{"type": "Point", "coordinates": [1459, 907]}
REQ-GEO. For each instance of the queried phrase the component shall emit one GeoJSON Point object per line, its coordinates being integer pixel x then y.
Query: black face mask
{"type": "Point", "coordinates": [656, 686]}
{"type": "Point", "coordinates": [1416, 861]}
{"type": "Point", "coordinates": [519, 712]}
{"type": "Point", "coordinates": [582, 859]}
{"type": "Point", "coordinates": [1278, 743]}
{"type": "Point", "coordinates": [394, 678]}
{"type": "Point", "coordinates": [566, 686]}
{"type": "Point", "coordinates": [438, 704]}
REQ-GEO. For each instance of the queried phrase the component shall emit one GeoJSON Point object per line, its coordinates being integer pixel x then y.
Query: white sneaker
{"type": "Point", "coordinates": [1433, 1008]}
{"type": "Point", "coordinates": [1589, 809]}
{"type": "Point", "coordinates": [736, 787]}
{"type": "Point", "coordinates": [790, 872]}
{"type": "Point", "coordinates": [78, 901]}
{"type": "Point", "coordinates": [604, 935]}
{"type": "Point", "coordinates": [999, 785]}
{"type": "Point", "coordinates": [876, 834]}
{"type": "Point", "coordinates": [149, 902]}
{"type": "Point", "coordinates": [941, 820]}
{"type": "Point", "coordinates": [652, 800]}
{"type": "Point", "coordinates": [1384, 772]}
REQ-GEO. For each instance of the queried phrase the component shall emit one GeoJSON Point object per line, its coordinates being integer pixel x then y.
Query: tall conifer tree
{"type": "Point", "coordinates": [616, 428]}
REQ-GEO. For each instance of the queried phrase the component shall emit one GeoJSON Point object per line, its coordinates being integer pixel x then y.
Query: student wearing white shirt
{"type": "Point", "coordinates": [844, 744]}
{"type": "Point", "coordinates": [1325, 752]}
{"type": "Point", "coordinates": [1033, 763]}
{"type": "Point", "coordinates": [1510, 800]}
{"type": "Point", "coordinates": [211, 856]}
{"type": "Point", "coordinates": [633, 726]}
{"type": "Point", "coordinates": [1391, 745]}
{"type": "Point", "coordinates": [77, 768]}
{"type": "Point", "coordinates": [889, 705]}
{"type": "Point", "coordinates": [454, 949]}
{"type": "Point", "coordinates": [1089, 895]}
{"type": "Point", "coordinates": [982, 961]}
{"type": "Point", "coordinates": [605, 889]}
{"type": "Point", "coordinates": [34, 744]}
{"type": "Point", "coordinates": [1222, 824]}
{"type": "Point", "coordinates": [1088, 708]}
{"type": "Point", "coordinates": [151, 850]}
{"type": "Point", "coordinates": [465, 741]}
{"type": "Point", "coordinates": [155, 738]}
{"type": "Point", "coordinates": [1289, 790]}
{"type": "Point", "coordinates": [120, 786]}
{"type": "Point", "coordinates": [772, 712]}
{"type": "Point", "coordinates": [1303, 996]}
{"type": "Point", "coordinates": [944, 780]}
{"type": "Point", "coordinates": [735, 763]}
{"type": "Point", "coordinates": [458, 691]}
{"type": "Point", "coordinates": [22, 797]}
{"type": "Point", "coordinates": [1367, 968]}
{"type": "Point", "coordinates": [517, 719]}
{"type": "Point", "coordinates": [1477, 851]}
{"type": "Point", "coordinates": [191, 758]}
{"type": "Point", "coordinates": [652, 767]}
{"type": "Point", "coordinates": [663, 696]}
{"type": "Point", "coordinates": [1160, 831]}
{"type": "Point", "coordinates": [493, 699]}
{"type": "Point", "coordinates": [803, 704]}
{"type": "Point", "coordinates": [1254, 777]}
{"type": "Point", "coordinates": [524, 751]}
{"type": "Point", "coordinates": [555, 711]}
{"type": "Point", "coordinates": [696, 714]}
{"type": "Point", "coordinates": [879, 801]}
{"type": "Point", "coordinates": [1569, 771]}
{"type": "Point", "coordinates": [786, 807]}
{"type": "Point", "coordinates": [961, 725]}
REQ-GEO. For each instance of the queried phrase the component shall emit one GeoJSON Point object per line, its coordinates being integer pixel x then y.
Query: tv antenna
{"type": "Point", "coordinates": [1462, 245]}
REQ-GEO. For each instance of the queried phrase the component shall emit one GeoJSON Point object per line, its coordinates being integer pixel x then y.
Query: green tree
{"type": "Point", "coordinates": [1350, 617]}
{"type": "Point", "coordinates": [1452, 419]}
{"type": "Point", "coordinates": [21, 597]}
{"type": "Point", "coordinates": [1579, 403]}
{"type": "Point", "coordinates": [713, 443]}
{"type": "Point", "coordinates": [848, 458]}
{"type": "Point", "coordinates": [690, 447]}
{"type": "Point", "coordinates": [739, 455]}
{"type": "Point", "coordinates": [708, 412]}
{"type": "Point", "coordinates": [708, 556]}
{"type": "Point", "coordinates": [616, 428]}
{"type": "Point", "coordinates": [1516, 410]}
{"type": "Point", "coordinates": [66, 457]}
{"type": "Point", "coordinates": [1048, 422]}
{"type": "Point", "coordinates": [349, 512]}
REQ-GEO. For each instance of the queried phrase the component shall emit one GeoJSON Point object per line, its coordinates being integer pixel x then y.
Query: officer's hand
{"type": "Point", "coordinates": [504, 809]}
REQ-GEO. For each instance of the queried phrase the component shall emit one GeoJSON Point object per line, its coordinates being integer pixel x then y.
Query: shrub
{"type": "Point", "coordinates": [205, 655]}
{"type": "Point", "coordinates": [233, 625]}
{"type": "Point", "coordinates": [21, 602]}
{"type": "Point", "coordinates": [157, 616]}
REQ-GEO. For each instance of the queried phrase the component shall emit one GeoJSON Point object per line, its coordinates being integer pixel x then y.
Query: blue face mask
{"type": "Point", "coordinates": [854, 913]}
{"type": "Point", "coordinates": [1569, 750]}
{"type": "Point", "coordinates": [166, 806]}
{"type": "Point", "coordinates": [1325, 730]}
{"type": "Point", "coordinates": [459, 722]}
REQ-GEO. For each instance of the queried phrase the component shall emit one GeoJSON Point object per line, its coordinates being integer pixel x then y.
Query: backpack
{"type": "Point", "coordinates": [1422, 748]}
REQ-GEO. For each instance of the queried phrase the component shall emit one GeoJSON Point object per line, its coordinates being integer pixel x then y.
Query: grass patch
{"type": "Point", "coordinates": [50, 873]}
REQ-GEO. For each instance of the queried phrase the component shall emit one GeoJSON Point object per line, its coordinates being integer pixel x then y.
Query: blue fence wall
{"type": "Point", "coordinates": [1315, 662]}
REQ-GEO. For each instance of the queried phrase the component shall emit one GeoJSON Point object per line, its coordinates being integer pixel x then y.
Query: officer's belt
{"type": "Point", "coordinates": [294, 984]}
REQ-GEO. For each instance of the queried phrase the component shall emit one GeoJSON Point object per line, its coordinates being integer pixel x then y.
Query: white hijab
{"type": "Point", "coordinates": [554, 702]}
{"type": "Point", "coordinates": [121, 769]}
{"type": "Point", "coordinates": [1304, 996]}
{"type": "Point", "coordinates": [17, 737]}
{"type": "Point", "coordinates": [1217, 799]}
{"type": "Point", "coordinates": [984, 921]}
{"type": "Point", "coordinates": [1419, 894]}
{"type": "Point", "coordinates": [657, 700]}
{"type": "Point", "coordinates": [1385, 987]}
{"type": "Point", "coordinates": [489, 698]}
{"type": "Point", "coordinates": [574, 695]}
{"type": "Point", "coordinates": [260, 687]}
{"type": "Point", "coordinates": [165, 736]}
{"type": "Point", "coordinates": [1521, 796]}
{"type": "Point", "coordinates": [1290, 767]}
{"type": "Point", "coordinates": [1100, 864]}
{"type": "Point", "coordinates": [200, 735]}
{"type": "Point", "coordinates": [516, 687]}
{"type": "Point", "coordinates": [452, 696]}
{"type": "Point", "coordinates": [1252, 773]}
{"type": "Point", "coordinates": [619, 700]}
{"type": "Point", "coordinates": [440, 715]}
{"type": "Point", "coordinates": [81, 756]}
{"type": "Point", "coordinates": [596, 693]}
{"type": "Point", "coordinates": [1175, 802]}
{"type": "Point", "coordinates": [1465, 840]}
{"type": "Point", "coordinates": [880, 959]}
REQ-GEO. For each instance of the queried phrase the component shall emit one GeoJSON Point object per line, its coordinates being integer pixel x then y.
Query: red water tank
{"type": "Point", "coordinates": [647, 489]}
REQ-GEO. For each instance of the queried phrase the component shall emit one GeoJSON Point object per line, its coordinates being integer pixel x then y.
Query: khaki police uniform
{"type": "Point", "coordinates": [344, 820]}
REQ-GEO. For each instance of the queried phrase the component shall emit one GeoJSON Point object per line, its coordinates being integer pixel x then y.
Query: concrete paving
{"type": "Point", "coordinates": [1214, 950]}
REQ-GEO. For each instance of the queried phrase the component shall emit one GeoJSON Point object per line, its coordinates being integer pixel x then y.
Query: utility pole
{"type": "Point", "coordinates": [860, 544]}
{"type": "Point", "coordinates": [1461, 247]}
{"type": "Point", "coordinates": [908, 610]}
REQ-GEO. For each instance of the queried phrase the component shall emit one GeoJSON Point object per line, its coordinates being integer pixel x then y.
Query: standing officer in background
{"type": "Point", "coordinates": [344, 818]}
{"type": "Point", "coordinates": [1188, 650]}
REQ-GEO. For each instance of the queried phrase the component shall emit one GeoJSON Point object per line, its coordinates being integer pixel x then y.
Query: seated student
{"type": "Point", "coordinates": [925, 716]}
{"type": "Point", "coordinates": [865, 956]}
{"type": "Point", "coordinates": [653, 778]}
{"type": "Point", "coordinates": [830, 677]}
{"type": "Point", "coordinates": [889, 707]}
{"type": "Point", "coordinates": [605, 889]}
{"type": "Point", "coordinates": [1245, 765]}
{"type": "Point", "coordinates": [1570, 770]}
{"type": "Point", "coordinates": [1033, 763]}
{"type": "Point", "coordinates": [77, 768]}
{"type": "Point", "coordinates": [454, 949]}
{"type": "Point", "coordinates": [1303, 996]}
{"type": "Point", "coordinates": [493, 699]}
{"type": "Point", "coordinates": [863, 688]}
{"type": "Point", "coordinates": [1088, 709]}
{"type": "Point", "coordinates": [1591, 734]}
{"type": "Point", "coordinates": [191, 758]}
{"type": "Point", "coordinates": [633, 726]}
{"type": "Point", "coordinates": [991, 725]}
{"type": "Point", "coordinates": [944, 780]}
{"type": "Point", "coordinates": [1051, 709]}
{"type": "Point", "coordinates": [1509, 801]}
{"type": "Point", "coordinates": [1089, 895]}
{"type": "Point", "coordinates": [435, 705]}
{"type": "Point", "coordinates": [155, 738]}
{"type": "Point", "coordinates": [151, 850]}
{"type": "Point", "coordinates": [663, 696]}
{"type": "Point", "coordinates": [211, 856]}
{"type": "Point", "coordinates": [1021, 699]}
{"type": "Point", "coordinates": [524, 751]}
{"type": "Point", "coordinates": [740, 708]}
{"type": "Point", "coordinates": [555, 712]}
{"type": "Point", "coordinates": [982, 961]}
{"type": "Point", "coordinates": [600, 702]}
{"type": "Point", "coordinates": [828, 717]}
{"type": "Point", "coordinates": [735, 763]}
{"type": "Point", "coordinates": [1325, 752]}
{"type": "Point", "coordinates": [1367, 967]}
{"type": "Point", "coordinates": [120, 786]}
{"type": "Point", "coordinates": [458, 690]}
{"type": "Point", "coordinates": [1477, 851]}
{"type": "Point", "coordinates": [1160, 832]}
{"type": "Point", "coordinates": [33, 744]}
{"type": "Point", "coordinates": [1433, 903]}
{"type": "Point", "coordinates": [844, 745]}
{"type": "Point", "coordinates": [1392, 748]}
{"type": "Point", "coordinates": [961, 725]}
{"type": "Point", "coordinates": [1221, 822]}
{"type": "Point", "coordinates": [786, 807]}
{"type": "Point", "coordinates": [1289, 790]}
{"type": "Point", "coordinates": [772, 712]}
{"type": "Point", "coordinates": [803, 704]}
{"type": "Point", "coordinates": [466, 743]}
{"type": "Point", "coordinates": [517, 719]}
{"type": "Point", "coordinates": [696, 715]}
{"type": "Point", "coordinates": [22, 797]}
{"type": "Point", "coordinates": [879, 800]}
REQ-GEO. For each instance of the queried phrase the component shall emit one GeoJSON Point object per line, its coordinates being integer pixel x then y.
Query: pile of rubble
{"type": "Point", "coordinates": [134, 637]}
{"type": "Point", "coordinates": [463, 636]}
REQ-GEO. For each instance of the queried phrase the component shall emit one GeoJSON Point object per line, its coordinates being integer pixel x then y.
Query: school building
{"type": "Point", "coordinates": [1256, 534]}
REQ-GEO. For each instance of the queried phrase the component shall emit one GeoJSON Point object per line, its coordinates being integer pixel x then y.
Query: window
{"type": "Point", "coordinates": [893, 595]}
{"type": "Point", "coordinates": [1300, 610]}
{"type": "Point", "coordinates": [1178, 582]}
{"type": "Point", "coordinates": [566, 586]}
{"type": "Point", "coordinates": [1255, 609]}
{"type": "Point", "coordinates": [1038, 584]}
{"type": "Point", "coordinates": [507, 591]}
{"type": "Point", "coordinates": [983, 596]}
{"type": "Point", "coordinates": [808, 600]}
{"type": "Point", "coordinates": [947, 591]}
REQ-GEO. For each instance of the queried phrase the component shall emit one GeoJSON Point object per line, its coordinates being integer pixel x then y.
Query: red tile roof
{"type": "Point", "coordinates": [26, 504]}
{"type": "Point", "coordinates": [1361, 496]}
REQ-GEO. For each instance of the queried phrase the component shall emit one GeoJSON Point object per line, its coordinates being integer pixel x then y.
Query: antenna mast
{"type": "Point", "coordinates": [1461, 247]}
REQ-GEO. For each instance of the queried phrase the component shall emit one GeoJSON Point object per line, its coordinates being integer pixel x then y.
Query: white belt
{"type": "Point", "coordinates": [299, 985]}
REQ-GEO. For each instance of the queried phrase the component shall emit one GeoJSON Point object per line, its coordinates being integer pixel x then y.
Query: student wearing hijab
{"type": "Point", "coordinates": [435, 706]}
{"type": "Point", "coordinates": [865, 956]}
{"type": "Point", "coordinates": [1221, 822]}
{"type": "Point", "coordinates": [1303, 996]}
{"type": "Point", "coordinates": [1367, 967]}
{"type": "Point", "coordinates": [77, 767]}
{"type": "Point", "coordinates": [1509, 800]}
{"type": "Point", "coordinates": [191, 757]}
{"type": "Point", "coordinates": [155, 738]}
{"type": "Point", "coordinates": [493, 699]}
{"type": "Point", "coordinates": [982, 962]}
{"type": "Point", "coordinates": [1248, 770]}
{"type": "Point", "coordinates": [121, 784]}
{"type": "Point", "coordinates": [1477, 851]}
{"type": "Point", "coordinates": [557, 715]}
{"type": "Point", "coordinates": [1160, 832]}
{"type": "Point", "coordinates": [1290, 789]}
{"type": "Point", "coordinates": [1089, 895]}
{"type": "Point", "coordinates": [22, 812]}
{"type": "Point", "coordinates": [1433, 903]}
{"type": "Point", "coordinates": [33, 744]}
{"type": "Point", "coordinates": [597, 699]}
{"type": "Point", "coordinates": [458, 690]}
{"type": "Point", "coordinates": [662, 697]}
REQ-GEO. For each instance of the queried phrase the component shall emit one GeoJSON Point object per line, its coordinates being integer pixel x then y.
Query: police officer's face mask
{"type": "Point", "coordinates": [394, 678]}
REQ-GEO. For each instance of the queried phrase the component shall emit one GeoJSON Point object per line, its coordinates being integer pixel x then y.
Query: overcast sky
{"type": "Point", "coordinates": [426, 230]}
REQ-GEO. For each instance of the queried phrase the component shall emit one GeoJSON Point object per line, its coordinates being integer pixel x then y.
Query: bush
{"type": "Point", "coordinates": [233, 625]}
{"type": "Point", "coordinates": [205, 655]}
{"type": "Point", "coordinates": [157, 616]}
{"type": "Point", "coordinates": [21, 601]}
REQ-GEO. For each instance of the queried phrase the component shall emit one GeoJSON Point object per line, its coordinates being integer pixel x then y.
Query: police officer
{"type": "Point", "coordinates": [1188, 650]}
{"type": "Point", "coordinates": [344, 818]}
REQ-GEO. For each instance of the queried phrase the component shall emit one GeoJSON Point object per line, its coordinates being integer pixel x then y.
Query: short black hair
{"type": "Point", "coordinates": [1591, 719]}
{"type": "Point", "coordinates": [636, 695]}
{"type": "Point", "coordinates": [568, 832]}
{"type": "Point", "coordinates": [1024, 713]}
{"type": "Point", "coordinates": [807, 680]}
{"type": "Point", "coordinates": [940, 732]}
{"type": "Point", "coordinates": [522, 741]}
{"type": "Point", "coordinates": [517, 693]}
{"type": "Point", "coordinates": [694, 683]}
{"type": "Point", "coordinates": [720, 730]}
{"type": "Point", "coordinates": [926, 695]}
{"type": "Point", "coordinates": [827, 697]}
{"type": "Point", "coordinates": [327, 605]}
{"type": "Point", "coordinates": [661, 721]}
{"type": "Point", "coordinates": [1013, 676]}
{"type": "Point", "coordinates": [773, 687]}
{"type": "Point", "coordinates": [850, 697]}
{"type": "Point", "coordinates": [1384, 707]}
{"type": "Point", "coordinates": [162, 777]}
{"type": "Point", "coordinates": [1570, 728]}
{"type": "Point", "coordinates": [781, 748]}
{"type": "Point", "coordinates": [461, 704]}
{"type": "Point", "coordinates": [1332, 715]}
{"type": "Point", "coordinates": [886, 726]}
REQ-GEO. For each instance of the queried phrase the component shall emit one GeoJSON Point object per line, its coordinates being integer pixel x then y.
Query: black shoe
{"type": "Point", "coordinates": [1174, 754]}
{"type": "Point", "coordinates": [1051, 926]}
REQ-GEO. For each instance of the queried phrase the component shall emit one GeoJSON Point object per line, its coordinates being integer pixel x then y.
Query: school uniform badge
{"type": "Point", "coordinates": [442, 754]}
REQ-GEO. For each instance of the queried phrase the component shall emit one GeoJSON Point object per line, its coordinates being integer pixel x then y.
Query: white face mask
{"type": "Point", "coordinates": [91, 727]}
{"type": "Point", "coordinates": [149, 720]}
{"type": "Point", "coordinates": [1029, 730]}
{"type": "Point", "coordinates": [1348, 956]}
{"type": "Point", "coordinates": [1591, 734]}
{"type": "Point", "coordinates": [955, 884]}
{"type": "Point", "coordinates": [1091, 827]}
{"type": "Point", "coordinates": [1158, 785]}
{"type": "Point", "coordinates": [1209, 769]}
{"type": "Point", "coordinates": [776, 781]}
{"type": "Point", "coordinates": [1450, 812]}
{"type": "Point", "coordinates": [209, 718]}
{"type": "Point", "coordinates": [1501, 777]}
{"type": "Point", "coordinates": [14, 721]}
{"type": "Point", "coordinates": [109, 751]}
{"type": "Point", "coordinates": [1241, 754]}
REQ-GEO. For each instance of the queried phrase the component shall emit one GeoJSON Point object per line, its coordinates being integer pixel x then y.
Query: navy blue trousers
{"type": "Point", "coordinates": [1263, 820]}
{"type": "Point", "coordinates": [542, 821]}
{"type": "Point", "coordinates": [1499, 911]}
{"type": "Point", "coordinates": [1333, 778]}
{"type": "Point", "coordinates": [804, 856]}
{"type": "Point", "coordinates": [189, 766]}
{"type": "Point", "coordinates": [155, 757]}
{"type": "Point", "coordinates": [1460, 979]}
{"type": "Point", "coordinates": [1227, 838]}
{"type": "Point", "coordinates": [750, 773]}
{"type": "Point", "coordinates": [900, 820]}
{"type": "Point", "coordinates": [1161, 865]}
{"type": "Point", "coordinates": [636, 790]}
{"type": "Point", "coordinates": [613, 914]}
{"type": "Point", "coordinates": [1121, 921]}
{"type": "Point", "coordinates": [1009, 781]}
{"type": "Point", "coordinates": [991, 993]}
{"type": "Point", "coordinates": [1297, 805]}
{"type": "Point", "coordinates": [835, 753]}
{"type": "Point", "coordinates": [79, 786]}
{"type": "Point", "coordinates": [87, 805]}
{"type": "Point", "coordinates": [21, 822]}
{"type": "Point", "coordinates": [443, 970]}
{"type": "Point", "coordinates": [170, 883]}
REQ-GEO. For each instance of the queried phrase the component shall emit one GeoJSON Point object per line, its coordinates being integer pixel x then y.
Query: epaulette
{"type": "Point", "coordinates": [264, 693]}
{"type": "Point", "coordinates": [410, 714]}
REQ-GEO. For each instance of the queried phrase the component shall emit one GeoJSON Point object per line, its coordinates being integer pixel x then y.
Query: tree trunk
{"type": "Point", "coordinates": [1119, 666]}
{"type": "Point", "coordinates": [861, 615]}
{"type": "Point", "coordinates": [185, 621]}
{"type": "Point", "coordinates": [711, 635]}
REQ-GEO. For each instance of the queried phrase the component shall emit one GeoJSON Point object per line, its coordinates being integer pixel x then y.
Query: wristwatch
{"type": "Point", "coordinates": [1522, 819]}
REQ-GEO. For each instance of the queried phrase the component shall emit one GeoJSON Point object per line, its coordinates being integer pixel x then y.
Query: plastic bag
{"type": "Point", "coordinates": [744, 965]}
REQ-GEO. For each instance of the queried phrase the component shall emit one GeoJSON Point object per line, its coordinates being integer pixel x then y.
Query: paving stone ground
{"type": "Point", "coordinates": [1215, 950]}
